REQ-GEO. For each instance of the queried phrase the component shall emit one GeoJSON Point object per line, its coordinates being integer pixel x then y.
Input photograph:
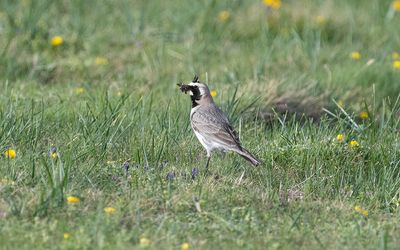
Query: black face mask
{"type": "Point", "coordinates": [196, 95]}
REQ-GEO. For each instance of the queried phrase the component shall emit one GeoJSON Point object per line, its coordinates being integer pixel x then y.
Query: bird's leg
{"type": "Point", "coordinates": [208, 162]}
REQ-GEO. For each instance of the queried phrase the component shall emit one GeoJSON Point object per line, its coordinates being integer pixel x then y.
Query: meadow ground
{"type": "Point", "coordinates": [97, 149]}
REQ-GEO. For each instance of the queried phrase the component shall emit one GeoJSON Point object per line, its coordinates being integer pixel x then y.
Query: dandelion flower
{"type": "Point", "coordinates": [340, 137]}
{"type": "Point", "coordinates": [273, 4]}
{"type": "Point", "coordinates": [395, 56]}
{"type": "Point", "coordinates": [340, 103]}
{"type": "Point", "coordinates": [144, 242]}
{"type": "Point", "coordinates": [10, 153]}
{"type": "Point", "coordinates": [361, 210]}
{"type": "Point", "coordinates": [213, 93]}
{"type": "Point", "coordinates": [224, 16]}
{"type": "Point", "coordinates": [355, 55]}
{"type": "Point", "coordinates": [396, 5]}
{"type": "Point", "coordinates": [364, 115]}
{"type": "Point", "coordinates": [79, 90]}
{"type": "Point", "coordinates": [101, 60]}
{"type": "Point", "coordinates": [396, 64]}
{"type": "Point", "coordinates": [320, 20]}
{"type": "Point", "coordinates": [109, 210]}
{"type": "Point", "coordinates": [56, 41]}
{"type": "Point", "coordinates": [66, 236]}
{"type": "Point", "coordinates": [185, 246]}
{"type": "Point", "coordinates": [73, 199]}
{"type": "Point", "coordinates": [354, 143]}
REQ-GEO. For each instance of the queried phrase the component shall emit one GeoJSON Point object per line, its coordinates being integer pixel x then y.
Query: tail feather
{"type": "Point", "coordinates": [249, 157]}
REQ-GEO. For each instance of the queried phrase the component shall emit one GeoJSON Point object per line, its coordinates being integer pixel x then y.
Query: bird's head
{"type": "Point", "coordinates": [199, 92]}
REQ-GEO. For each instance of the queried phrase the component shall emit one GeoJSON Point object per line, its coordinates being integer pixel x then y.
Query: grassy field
{"type": "Point", "coordinates": [97, 151]}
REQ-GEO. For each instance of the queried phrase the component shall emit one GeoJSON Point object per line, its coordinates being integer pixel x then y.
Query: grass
{"type": "Point", "coordinates": [284, 77]}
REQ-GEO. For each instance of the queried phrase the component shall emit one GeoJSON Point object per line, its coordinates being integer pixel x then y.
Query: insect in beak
{"type": "Point", "coordinates": [184, 88]}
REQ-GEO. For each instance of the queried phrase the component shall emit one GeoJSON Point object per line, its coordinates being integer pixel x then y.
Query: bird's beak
{"type": "Point", "coordinates": [184, 88]}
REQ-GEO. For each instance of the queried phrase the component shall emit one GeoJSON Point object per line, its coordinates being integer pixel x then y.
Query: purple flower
{"type": "Point", "coordinates": [170, 176]}
{"type": "Point", "coordinates": [146, 167]}
{"type": "Point", "coordinates": [195, 172]}
{"type": "Point", "coordinates": [126, 166]}
{"type": "Point", "coordinates": [53, 150]}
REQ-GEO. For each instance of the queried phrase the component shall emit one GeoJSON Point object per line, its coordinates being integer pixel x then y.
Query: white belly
{"type": "Point", "coordinates": [209, 145]}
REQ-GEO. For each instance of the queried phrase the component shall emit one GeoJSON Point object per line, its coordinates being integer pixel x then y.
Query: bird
{"type": "Point", "coordinates": [210, 124]}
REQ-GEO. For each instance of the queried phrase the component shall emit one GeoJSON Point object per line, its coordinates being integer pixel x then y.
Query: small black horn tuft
{"type": "Point", "coordinates": [196, 79]}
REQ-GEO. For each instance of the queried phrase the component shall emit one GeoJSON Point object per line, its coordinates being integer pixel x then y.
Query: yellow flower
{"type": "Point", "coordinates": [364, 115]}
{"type": "Point", "coordinates": [10, 153]}
{"type": "Point", "coordinates": [213, 93]}
{"type": "Point", "coordinates": [274, 4]}
{"type": "Point", "coordinates": [66, 236]}
{"type": "Point", "coordinates": [144, 242]}
{"type": "Point", "coordinates": [109, 210]}
{"type": "Point", "coordinates": [79, 90]}
{"type": "Point", "coordinates": [355, 55]}
{"type": "Point", "coordinates": [185, 246]}
{"type": "Point", "coordinates": [320, 20]}
{"type": "Point", "coordinates": [73, 199]}
{"type": "Point", "coordinates": [361, 210]}
{"type": "Point", "coordinates": [396, 64]}
{"type": "Point", "coordinates": [101, 60]}
{"type": "Point", "coordinates": [56, 41]}
{"type": "Point", "coordinates": [54, 155]}
{"type": "Point", "coordinates": [340, 137]}
{"type": "Point", "coordinates": [354, 143]}
{"type": "Point", "coordinates": [224, 16]}
{"type": "Point", "coordinates": [395, 56]}
{"type": "Point", "coordinates": [396, 5]}
{"type": "Point", "coordinates": [340, 103]}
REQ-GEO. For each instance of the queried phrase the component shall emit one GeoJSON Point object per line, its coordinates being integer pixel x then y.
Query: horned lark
{"type": "Point", "coordinates": [211, 125]}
